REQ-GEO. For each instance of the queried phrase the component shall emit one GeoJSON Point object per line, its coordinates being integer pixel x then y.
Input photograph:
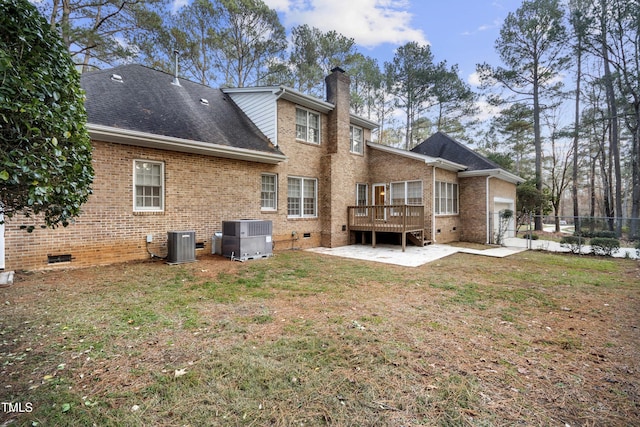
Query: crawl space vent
{"type": "Point", "coordinates": [53, 259]}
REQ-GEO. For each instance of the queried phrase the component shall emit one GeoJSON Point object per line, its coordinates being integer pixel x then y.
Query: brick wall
{"type": "Point", "coordinates": [473, 211]}
{"type": "Point", "coordinates": [447, 227]}
{"type": "Point", "coordinates": [473, 204]}
{"type": "Point", "coordinates": [386, 168]}
{"type": "Point", "coordinates": [200, 193]}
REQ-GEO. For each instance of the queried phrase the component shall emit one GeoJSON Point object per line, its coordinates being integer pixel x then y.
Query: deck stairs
{"type": "Point", "coordinates": [418, 238]}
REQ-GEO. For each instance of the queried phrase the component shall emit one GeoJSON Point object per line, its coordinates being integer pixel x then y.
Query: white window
{"type": "Point", "coordinates": [148, 186]}
{"type": "Point", "coordinates": [307, 126]}
{"type": "Point", "coordinates": [414, 192]}
{"type": "Point", "coordinates": [362, 191]}
{"type": "Point", "coordinates": [357, 140]}
{"type": "Point", "coordinates": [397, 193]}
{"type": "Point", "coordinates": [302, 195]}
{"type": "Point", "coordinates": [406, 193]}
{"type": "Point", "coordinates": [446, 198]}
{"type": "Point", "coordinates": [269, 192]}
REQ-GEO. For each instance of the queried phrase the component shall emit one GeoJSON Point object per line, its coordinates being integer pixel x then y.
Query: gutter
{"type": "Point", "coordinates": [428, 160]}
{"type": "Point", "coordinates": [496, 173]}
{"type": "Point", "coordinates": [150, 140]}
{"type": "Point", "coordinates": [304, 100]}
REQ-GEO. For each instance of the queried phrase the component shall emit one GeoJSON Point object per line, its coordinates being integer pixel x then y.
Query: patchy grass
{"type": "Point", "coordinates": [305, 339]}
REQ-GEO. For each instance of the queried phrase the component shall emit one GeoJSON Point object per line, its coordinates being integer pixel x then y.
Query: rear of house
{"type": "Point", "coordinates": [171, 155]}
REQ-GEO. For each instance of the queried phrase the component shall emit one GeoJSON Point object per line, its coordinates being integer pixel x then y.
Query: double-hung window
{"type": "Point", "coordinates": [148, 186]}
{"type": "Point", "coordinates": [406, 193]}
{"type": "Point", "coordinates": [269, 192]}
{"type": "Point", "coordinates": [307, 126]}
{"type": "Point", "coordinates": [357, 140]}
{"type": "Point", "coordinates": [302, 196]}
{"type": "Point", "coordinates": [446, 198]}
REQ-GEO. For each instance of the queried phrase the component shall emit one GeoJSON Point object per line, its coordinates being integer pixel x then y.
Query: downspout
{"type": "Point", "coordinates": [488, 220]}
{"type": "Point", "coordinates": [433, 204]}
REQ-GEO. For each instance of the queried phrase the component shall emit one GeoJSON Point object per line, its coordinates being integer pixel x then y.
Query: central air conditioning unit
{"type": "Point", "coordinates": [181, 247]}
{"type": "Point", "coordinates": [246, 239]}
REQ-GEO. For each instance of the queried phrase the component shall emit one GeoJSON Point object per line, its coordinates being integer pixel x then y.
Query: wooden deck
{"type": "Point", "coordinates": [405, 219]}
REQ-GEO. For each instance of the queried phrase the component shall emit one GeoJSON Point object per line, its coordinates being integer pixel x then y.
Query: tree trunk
{"type": "Point", "coordinates": [66, 26]}
{"type": "Point", "coordinates": [576, 131]}
{"type": "Point", "coordinates": [614, 134]}
{"type": "Point", "coordinates": [538, 144]}
{"type": "Point", "coordinates": [634, 231]}
{"type": "Point", "coordinates": [592, 192]}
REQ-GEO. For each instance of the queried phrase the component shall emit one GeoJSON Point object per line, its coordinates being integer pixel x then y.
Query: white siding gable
{"type": "Point", "coordinates": [261, 109]}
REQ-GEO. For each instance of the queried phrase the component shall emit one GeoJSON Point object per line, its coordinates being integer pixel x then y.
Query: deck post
{"type": "Point", "coordinates": [404, 227]}
{"type": "Point", "coordinates": [374, 214]}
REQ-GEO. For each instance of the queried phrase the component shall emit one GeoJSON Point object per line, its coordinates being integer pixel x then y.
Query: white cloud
{"type": "Point", "coordinates": [484, 27]}
{"type": "Point", "coordinates": [486, 111]}
{"type": "Point", "coordinates": [369, 22]}
{"type": "Point", "coordinates": [474, 79]}
{"type": "Point", "coordinates": [178, 4]}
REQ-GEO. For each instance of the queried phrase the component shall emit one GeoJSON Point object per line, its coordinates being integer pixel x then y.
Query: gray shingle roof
{"type": "Point", "coordinates": [146, 101]}
{"type": "Point", "coordinates": [443, 146]}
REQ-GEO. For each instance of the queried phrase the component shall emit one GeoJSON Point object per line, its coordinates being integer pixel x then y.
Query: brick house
{"type": "Point", "coordinates": [171, 154]}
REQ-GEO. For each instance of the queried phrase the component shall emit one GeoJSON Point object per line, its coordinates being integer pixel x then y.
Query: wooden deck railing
{"type": "Point", "coordinates": [390, 218]}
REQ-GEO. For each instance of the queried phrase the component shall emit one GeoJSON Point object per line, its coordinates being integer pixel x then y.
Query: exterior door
{"type": "Point", "coordinates": [379, 199]}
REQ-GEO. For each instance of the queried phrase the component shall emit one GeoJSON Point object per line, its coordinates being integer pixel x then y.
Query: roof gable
{"type": "Point", "coordinates": [145, 100]}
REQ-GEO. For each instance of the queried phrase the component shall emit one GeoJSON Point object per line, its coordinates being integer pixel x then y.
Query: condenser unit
{"type": "Point", "coordinates": [246, 239]}
{"type": "Point", "coordinates": [181, 247]}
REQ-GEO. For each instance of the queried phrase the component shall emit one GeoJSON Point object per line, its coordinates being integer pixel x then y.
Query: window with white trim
{"type": "Point", "coordinates": [362, 198]}
{"type": "Point", "coordinates": [357, 139]}
{"type": "Point", "coordinates": [307, 126]}
{"type": "Point", "coordinates": [269, 192]}
{"type": "Point", "coordinates": [148, 186]}
{"type": "Point", "coordinates": [446, 198]}
{"type": "Point", "coordinates": [302, 196]}
{"type": "Point", "coordinates": [406, 193]}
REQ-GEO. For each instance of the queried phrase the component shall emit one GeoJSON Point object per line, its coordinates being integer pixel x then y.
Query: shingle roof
{"type": "Point", "coordinates": [145, 100]}
{"type": "Point", "coordinates": [443, 146]}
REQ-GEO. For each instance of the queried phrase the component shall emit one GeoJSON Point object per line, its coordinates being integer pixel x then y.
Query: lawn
{"type": "Point", "coordinates": [304, 339]}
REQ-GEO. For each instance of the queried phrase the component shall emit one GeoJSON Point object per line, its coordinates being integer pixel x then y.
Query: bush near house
{"type": "Point", "coordinates": [591, 234]}
{"type": "Point", "coordinates": [573, 243]}
{"type": "Point", "coordinates": [529, 235]}
{"type": "Point", "coordinates": [638, 248]}
{"type": "Point", "coordinates": [605, 246]}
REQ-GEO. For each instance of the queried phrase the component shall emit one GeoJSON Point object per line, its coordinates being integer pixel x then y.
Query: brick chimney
{"type": "Point", "coordinates": [338, 93]}
{"type": "Point", "coordinates": [336, 182]}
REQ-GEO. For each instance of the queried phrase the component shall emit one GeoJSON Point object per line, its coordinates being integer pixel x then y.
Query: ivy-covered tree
{"type": "Point", "coordinates": [45, 151]}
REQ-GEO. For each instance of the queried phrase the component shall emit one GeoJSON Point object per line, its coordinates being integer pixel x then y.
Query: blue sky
{"type": "Point", "coordinates": [461, 32]}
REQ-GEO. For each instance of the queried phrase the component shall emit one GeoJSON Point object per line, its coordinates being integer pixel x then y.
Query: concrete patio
{"type": "Point", "coordinates": [415, 256]}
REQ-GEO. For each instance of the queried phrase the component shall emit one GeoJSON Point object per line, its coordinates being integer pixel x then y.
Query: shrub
{"type": "Point", "coordinates": [529, 235]}
{"type": "Point", "coordinates": [604, 246]}
{"type": "Point", "coordinates": [638, 248]}
{"type": "Point", "coordinates": [593, 234]}
{"type": "Point", "coordinates": [607, 234]}
{"type": "Point", "coordinates": [574, 243]}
